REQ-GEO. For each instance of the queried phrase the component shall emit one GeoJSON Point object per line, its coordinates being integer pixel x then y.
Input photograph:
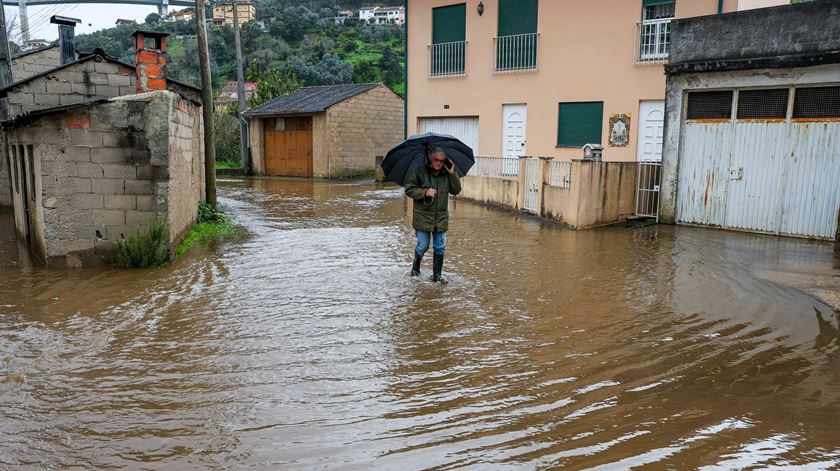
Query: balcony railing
{"type": "Point", "coordinates": [517, 52]}
{"type": "Point", "coordinates": [448, 59]}
{"type": "Point", "coordinates": [653, 39]}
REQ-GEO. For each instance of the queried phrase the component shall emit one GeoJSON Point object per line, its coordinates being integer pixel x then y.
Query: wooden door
{"type": "Point", "coordinates": [288, 146]}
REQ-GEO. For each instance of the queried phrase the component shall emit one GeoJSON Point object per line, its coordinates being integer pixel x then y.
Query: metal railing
{"type": "Point", "coordinates": [448, 59]}
{"type": "Point", "coordinates": [559, 174]}
{"type": "Point", "coordinates": [497, 167]}
{"type": "Point", "coordinates": [647, 195]}
{"type": "Point", "coordinates": [516, 52]}
{"type": "Point", "coordinates": [653, 38]}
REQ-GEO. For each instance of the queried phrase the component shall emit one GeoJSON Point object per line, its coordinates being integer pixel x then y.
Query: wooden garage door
{"type": "Point", "coordinates": [288, 146]}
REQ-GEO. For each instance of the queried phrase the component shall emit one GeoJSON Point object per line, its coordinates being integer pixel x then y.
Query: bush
{"type": "Point", "coordinates": [207, 213]}
{"type": "Point", "coordinates": [227, 139]}
{"type": "Point", "coordinates": [146, 249]}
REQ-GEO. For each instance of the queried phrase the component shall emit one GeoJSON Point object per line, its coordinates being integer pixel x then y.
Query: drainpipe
{"type": "Point", "coordinates": [720, 7]}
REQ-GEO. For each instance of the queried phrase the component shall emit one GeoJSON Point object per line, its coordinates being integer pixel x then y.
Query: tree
{"type": "Point", "coordinates": [152, 19]}
{"type": "Point", "coordinates": [330, 70]}
{"type": "Point", "coordinates": [389, 64]}
{"type": "Point", "coordinates": [272, 81]}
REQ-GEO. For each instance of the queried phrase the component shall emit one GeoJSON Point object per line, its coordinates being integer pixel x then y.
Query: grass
{"type": "Point", "coordinates": [225, 164]}
{"type": "Point", "coordinates": [146, 249]}
{"type": "Point", "coordinates": [212, 226]}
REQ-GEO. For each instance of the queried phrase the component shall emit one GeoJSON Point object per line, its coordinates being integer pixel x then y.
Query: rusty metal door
{"type": "Point", "coordinates": [704, 164]}
{"type": "Point", "coordinates": [288, 146]}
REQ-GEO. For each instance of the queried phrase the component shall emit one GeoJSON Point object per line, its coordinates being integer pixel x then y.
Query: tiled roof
{"type": "Point", "coordinates": [309, 99]}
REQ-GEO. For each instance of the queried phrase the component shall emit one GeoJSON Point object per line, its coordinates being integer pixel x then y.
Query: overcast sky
{"type": "Point", "coordinates": [94, 17]}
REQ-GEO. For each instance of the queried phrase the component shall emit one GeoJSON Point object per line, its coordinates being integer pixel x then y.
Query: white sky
{"type": "Point", "coordinates": [94, 17]}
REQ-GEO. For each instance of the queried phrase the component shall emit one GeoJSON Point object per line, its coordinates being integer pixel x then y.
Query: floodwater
{"type": "Point", "coordinates": [306, 345]}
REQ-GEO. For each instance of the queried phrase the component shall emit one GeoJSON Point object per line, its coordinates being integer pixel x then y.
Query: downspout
{"type": "Point", "coordinates": [720, 7]}
{"type": "Point", "coordinates": [405, 72]}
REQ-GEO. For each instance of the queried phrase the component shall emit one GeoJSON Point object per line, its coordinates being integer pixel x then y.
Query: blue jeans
{"type": "Point", "coordinates": [439, 240]}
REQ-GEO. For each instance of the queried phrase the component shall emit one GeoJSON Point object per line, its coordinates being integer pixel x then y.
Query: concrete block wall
{"type": "Point", "coordinates": [5, 179]}
{"type": "Point", "coordinates": [361, 128]}
{"type": "Point", "coordinates": [27, 65]}
{"type": "Point", "coordinates": [110, 170]}
{"type": "Point", "coordinates": [78, 83]}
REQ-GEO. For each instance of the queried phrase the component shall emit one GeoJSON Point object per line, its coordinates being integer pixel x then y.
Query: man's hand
{"type": "Point", "coordinates": [431, 193]}
{"type": "Point", "coordinates": [449, 165]}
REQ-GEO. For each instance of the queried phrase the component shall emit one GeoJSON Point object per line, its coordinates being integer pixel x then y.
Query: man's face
{"type": "Point", "coordinates": [437, 160]}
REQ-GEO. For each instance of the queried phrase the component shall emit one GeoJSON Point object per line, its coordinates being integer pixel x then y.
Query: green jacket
{"type": "Point", "coordinates": [431, 214]}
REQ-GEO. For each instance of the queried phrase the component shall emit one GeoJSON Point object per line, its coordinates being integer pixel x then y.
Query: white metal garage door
{"type": "Point", "coordinates": [751, 161]}
{"type": "Point", "coordinates": [464, 128]}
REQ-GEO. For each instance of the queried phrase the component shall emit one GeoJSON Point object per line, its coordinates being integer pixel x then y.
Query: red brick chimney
{"type": "Point", "coordinates": [151, 60]}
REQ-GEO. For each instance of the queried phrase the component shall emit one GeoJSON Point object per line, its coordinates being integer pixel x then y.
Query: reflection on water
{"type": "Point", "coordinates": [307, 345]}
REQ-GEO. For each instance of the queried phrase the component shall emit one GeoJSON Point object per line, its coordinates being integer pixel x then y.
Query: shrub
{"type": "Point", "coordinates": [146, 249]}
{"type": "Point", "coordinates": [206, 213]}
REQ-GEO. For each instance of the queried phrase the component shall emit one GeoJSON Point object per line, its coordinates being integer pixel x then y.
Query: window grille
{"type": "Point", "coordinates": [560, 174]}
{"type": "Point", "coordinates": [817, 102]}
{"type": "Point", "coordinates": [710, 105]}
{"type": "Point", "coordinates": [763, 104]}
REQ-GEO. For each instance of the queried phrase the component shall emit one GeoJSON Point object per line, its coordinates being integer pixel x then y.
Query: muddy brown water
{"type": "Point", "coordinates": [306, 345]}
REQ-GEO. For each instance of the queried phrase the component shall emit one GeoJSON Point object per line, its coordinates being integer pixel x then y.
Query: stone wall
{"type": "Point", "coordinates": [26, 65]}
{"type": "Point", "coordinates": [361, 128]}
{"type": "Point", "coordinates": [110, 170]}
{"type": "Point", "coordinates": [80, 82]}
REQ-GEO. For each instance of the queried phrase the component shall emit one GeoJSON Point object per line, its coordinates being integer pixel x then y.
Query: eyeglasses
{"type": "Point", "coordinates": [439, 160]}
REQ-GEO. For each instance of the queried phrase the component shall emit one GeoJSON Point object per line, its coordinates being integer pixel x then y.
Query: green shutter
{"type": "Point", "coordinates": [517, 17]}
{"type": "Point", "coordinates": [449, 24]}
{"type": "Point", "coordinates": [580, 123]}
{"type": "Point", "coordinates": [648, 3]}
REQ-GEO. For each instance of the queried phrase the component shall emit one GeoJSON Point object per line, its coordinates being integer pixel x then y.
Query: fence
{"type": "Point", "coordinates": [498, 167]}
{"type": "Point", "coordinates": [559, 174]}
{"type": "Point", "coordinates": [653, 39]}
{"type": "Point", "coordinates": [447, 59]}
{"type": "Point", "coordinates": [516, 52]}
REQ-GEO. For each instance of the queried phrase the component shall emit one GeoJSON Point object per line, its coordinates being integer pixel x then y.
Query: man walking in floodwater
{"type": "Point", "coordinates": [430, 186]}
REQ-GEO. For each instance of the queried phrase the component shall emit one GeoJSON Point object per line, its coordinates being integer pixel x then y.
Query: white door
{"type": "Point", "coordinates": [651, 130]}
{"type": "Point", "coordinates": [514, 127]}
{"type": "Point", "coordinates": [464, 128]}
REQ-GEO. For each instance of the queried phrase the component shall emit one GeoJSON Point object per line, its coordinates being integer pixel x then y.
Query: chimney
{"type": "Point", "coordinates": [66, 37]}
{"type": "Point", "coordinates": [151, 60]}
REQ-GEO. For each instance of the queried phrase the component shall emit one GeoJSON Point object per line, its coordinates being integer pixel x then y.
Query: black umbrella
{"type": "Point", "coordinates": [403, 159]}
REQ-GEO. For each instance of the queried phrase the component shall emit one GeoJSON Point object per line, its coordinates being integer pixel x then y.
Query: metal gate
{"type": "Point", "coordinates": [647, 196]}
{"type": "Point", "coordinates": [532, 185]}
{"type": "Point", "coordinates": [772, 176]}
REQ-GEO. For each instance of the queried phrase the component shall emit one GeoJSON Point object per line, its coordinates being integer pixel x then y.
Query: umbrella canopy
{"type": "Point", "coordinates": [405, 158]}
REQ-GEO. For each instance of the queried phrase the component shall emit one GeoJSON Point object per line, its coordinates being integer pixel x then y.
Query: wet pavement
{"type": "Point", "coordinates": [306, 345]}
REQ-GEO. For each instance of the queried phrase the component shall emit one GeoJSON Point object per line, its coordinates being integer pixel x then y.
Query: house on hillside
{"type": "Point", "coordinates": [342, 15]}
{"type": "Point", "coordinates": [180, 15]}
{"type": "Point", "coordinates": [327, 132]}
{"type": "Point", "coordinates": [752, 139]}
{"type": "Point", "coordinates": [97, 150]}
{"type": "Point", "coordinates": [230, 94]}
{"type": "Point", "coordinates": [382, 15]}
{"type": "Point", "coordinates": [123, 21]}
{"type": "Point", "coordinates": [246, 11]}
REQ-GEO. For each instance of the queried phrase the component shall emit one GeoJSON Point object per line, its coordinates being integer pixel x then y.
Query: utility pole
{"type": "Point", "coordinates": [6, 76]}
{"type": "Point", "coordinates": [240, 92]}
{"type": "Point", "coordinates": [206, 104]}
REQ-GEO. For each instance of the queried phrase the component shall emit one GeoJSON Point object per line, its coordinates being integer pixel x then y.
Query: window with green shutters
{"type": "Point", "coordinates": [580, 123]}
{"type": "Point", "coordinates": [516, 45]}
{"type": "Point", "coordinates": [449, 45]}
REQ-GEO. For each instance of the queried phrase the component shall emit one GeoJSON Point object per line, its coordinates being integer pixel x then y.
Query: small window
{"type": "Point", "coordinates": [580, 123]}
{"type": "Point", "coordinates": [658, 9]}
{"type": "Point", "coordinates": [710, 105]}
{"type": "Point", "coordinates": [280, 124]}
{"type": "Point", "coordinates": [763, 104]}
{"type": "Point", "coordinates": [817, 102]}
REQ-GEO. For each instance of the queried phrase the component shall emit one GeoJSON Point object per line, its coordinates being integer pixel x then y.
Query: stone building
{"type": "Point", "coordinates": [326, 132]}
{"type": "Point", "coordinates": [124, 150]}
{"type": "Point", "coordinates": [752, 123]}
{"type": "Point", "coordinates": [28, 63]}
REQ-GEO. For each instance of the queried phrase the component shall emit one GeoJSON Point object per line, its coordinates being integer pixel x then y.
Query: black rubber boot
{"type": "Point", "coordinates": [437, 268]}
{"type": "Point", "coordinates": [415, 269]}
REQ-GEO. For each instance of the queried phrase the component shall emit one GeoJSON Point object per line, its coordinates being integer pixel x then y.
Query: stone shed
{"type": "Point", "coordinates": [86, 176]}
{"type": "Point", "coordinates": [329, 131]}
{"type": "Point", "coordinates": [96, 150]}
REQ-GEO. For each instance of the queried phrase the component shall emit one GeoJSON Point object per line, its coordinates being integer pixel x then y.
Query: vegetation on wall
{"type": "Point", "coordinates": [146, 249]}
{"type": "Point", "coordinates": [212, 226]}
